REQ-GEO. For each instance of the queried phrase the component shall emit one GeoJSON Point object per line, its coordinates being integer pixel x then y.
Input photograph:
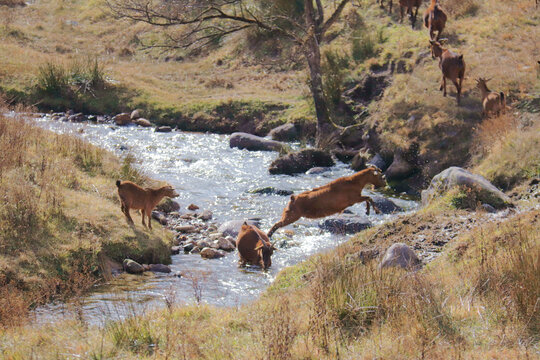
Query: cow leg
{"type": "Point", "coordinates": [369, 201]}
{"type": "Point", "coordinates": [401, 14]}
{"type": "Point", "coordinates": [390, 8]}
{"type": "Point", "coordinates": [459, 89]}
{"type": "Point", "coordinates": [143, 213]}
{"type": "Point", "coordinates": [125, 210]}
{"type": "Point", "coordinates": [285, 220]}
{"type": "Point", "coordinates": [443, 86]}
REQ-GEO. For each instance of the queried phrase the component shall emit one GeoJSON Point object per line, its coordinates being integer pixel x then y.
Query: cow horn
{"type": "Point", "coordinates": [259, 247]}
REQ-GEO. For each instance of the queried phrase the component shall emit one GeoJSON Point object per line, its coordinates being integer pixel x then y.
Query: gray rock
{"type": "Point", "coordinates": [195, 250]}
{"type": "Point", "coordinates": [175, 250]}
{"type": "Point", "coordinates": [136, 114]}
{"type": "Point", "coordinates": [203, 243]}
{"type": "Point", "coordinates": [206, 215]}
{"type": "Point", "coordinates": [386, 205]}
{"type": "Point", "coordinates": [456, 176]}
{"type": "Point", "coordinates": [300, 162]}
{"type": "Point", "coordinates": [378, 161]}
{"type": "Point", "coordinates": [285, 132]}
{"type": "Point", "coordinates": [488, 208]}
{"type": "Point", "coordinates": [317, 170]}
{"type": "Point", "coordinates": [143, 122]}
{"type": "Point", "coordinates": [269, 190]}
{"type": "Point", "coordinates": [163, 129]}
{"type": "Point", "coordinates": [159, 216]}
{"type": "Point", "coordinates": [188, 247]}
{"type": "Point", "coordinates": [122, 119]}
{"type": "Point", "coordinates": [63, 119]}
{"type": "Point", "coordinates": [159, 268]}
{"type": "Point", "coordinates": [345, 224]}
{"type": "Point", "coordinates": [253, 142]}
{"type": "Point", "coordinates": [399, 169]}
{"type": "Point", "coordinates": [209, 253]}
{"type": "Point", "coordinates": [185, 229]}
{"type": "Point", "coordinates": [224, 244]}
{"type": "Point", "coordinates": [400, 255]}
{"type": "Point", "coordinates": [77, 118]}
{"type": "Point", "coordinates": [132, 267]}
{"type": "Point", "coordinates": [232, 228]}
{"type": "Point", "coordinates": [344, 155]}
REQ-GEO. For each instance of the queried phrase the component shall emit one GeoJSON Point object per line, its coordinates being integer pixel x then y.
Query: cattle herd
{"type": "Point", "coordinates": [254, 246]}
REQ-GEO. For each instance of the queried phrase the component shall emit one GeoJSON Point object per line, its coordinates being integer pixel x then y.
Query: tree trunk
{"type": "Point", "coordinates": [312, 52]}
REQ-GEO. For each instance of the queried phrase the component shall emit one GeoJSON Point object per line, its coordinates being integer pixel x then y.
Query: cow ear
{"type": "Point", "coordinates": [376, 173]}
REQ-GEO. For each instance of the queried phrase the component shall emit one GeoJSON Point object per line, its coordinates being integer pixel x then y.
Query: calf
{"type": "Point", "coordinates": [409, 5]}
{"type": "Point", "coordinates": [331, 198]}
{"type": "Point", "coordinates": [492, 102]}
{"type": "Point", "coordinates": [434, 19]}
{"type": "Point", "coordinates": [254, 247]}
{"type": "Point", "coordinates": [132, 196]}
{"type": "Point", "coordinates": [451, 64]}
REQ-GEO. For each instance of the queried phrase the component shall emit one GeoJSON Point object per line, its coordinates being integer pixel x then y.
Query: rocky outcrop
{"type": "Point", "coordinates": [160, 268]}
{"type": "Point", "coordinates": [345, 224]}
{"type": "Point", "coordinates": [400, 255]}
{"type": "Point", "coordinates": [300, 162]}
{"type": "Point", "coordinates": [317, 170]}
{"type": "Point", "coordinates": [378, 161]}
{"type": "Point", "coordinates": [285, 132]}
{"type": "Point", "coordinates": [253, 143]}
{"type": "Point", "coordinates": [454, 176]}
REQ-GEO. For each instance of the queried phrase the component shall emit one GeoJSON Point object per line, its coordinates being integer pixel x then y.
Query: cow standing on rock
{"type": "Point", "coordinates": [254, 247]}
{"type": "Point", "coordinates": [331, 198]}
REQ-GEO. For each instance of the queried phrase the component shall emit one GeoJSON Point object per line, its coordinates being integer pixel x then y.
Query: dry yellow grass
{"type": "Point", "coordinates": [59, 215]}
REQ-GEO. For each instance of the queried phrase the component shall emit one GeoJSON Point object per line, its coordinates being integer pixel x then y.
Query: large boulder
{"type": "Point", "coordinates": [399, 169]}
{"type": "Point", "coordinates": [163, 129]}
{"type": "Point", "coordinates": [253, 142]}
{"type": "Point", "coordinates": [400, 255]}
{"type": "Point", "coordinates": [232, 228]}
{"type": "Point", "coordinates": [122, 119]}
{"type": "Point", "coordinates": [345, 224]}
{"type": "Point", "coordinates": [358, 162]}
{"type": "Point", "coordinates": [454, 176]}
{"type": "Point", "coordinates": [132, 267]}
{"type": "Point", "coordinates": [300, 162]}
{"type": "Point", "coordinates": [285, 132]}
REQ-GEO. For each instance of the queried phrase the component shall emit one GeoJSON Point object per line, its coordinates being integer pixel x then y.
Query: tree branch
{"type": "Point", "coordinates": [333, 18]}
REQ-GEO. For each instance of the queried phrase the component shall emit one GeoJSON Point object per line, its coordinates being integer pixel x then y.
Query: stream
{"type": "Point", "coordinates": [207, 172]}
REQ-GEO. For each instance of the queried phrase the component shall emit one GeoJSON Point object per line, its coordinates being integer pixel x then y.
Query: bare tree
{"type": "Point", "coordinates": [205, 21]}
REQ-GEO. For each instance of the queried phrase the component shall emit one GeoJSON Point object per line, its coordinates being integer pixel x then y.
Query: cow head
{"type": "Point", "coordinates": [265, 252]}
{"type": "Point", "coordinates": [169, 191]}
{"type": "Point", "coordinates": [378, 179]}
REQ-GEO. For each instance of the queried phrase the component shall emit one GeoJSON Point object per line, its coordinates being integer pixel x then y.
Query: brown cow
{"type": "Point", "coordinates": [132, 196]}
{"type": "Point", "coordinates": [409, 6]}
{"type": "Point", "coordinates": [254, 247]}
{"type": "Point", "coordinates": [331, 198]}
{"type": "Point", "coordinates": [451, 64]}
{"type": "Point", "coordinates": [493, 103]}
{"type": "Point", "coordinates": [434, 19]}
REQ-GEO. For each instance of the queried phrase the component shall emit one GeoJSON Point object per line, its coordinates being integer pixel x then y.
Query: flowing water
{"type": "Point", "coordinates": [207, 172]}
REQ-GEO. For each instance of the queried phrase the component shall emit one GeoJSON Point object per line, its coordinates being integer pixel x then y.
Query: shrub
{"type": "Point", "coordinates": [334, 67]}
{"type": "Point", "coordinates": [364, 45]}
